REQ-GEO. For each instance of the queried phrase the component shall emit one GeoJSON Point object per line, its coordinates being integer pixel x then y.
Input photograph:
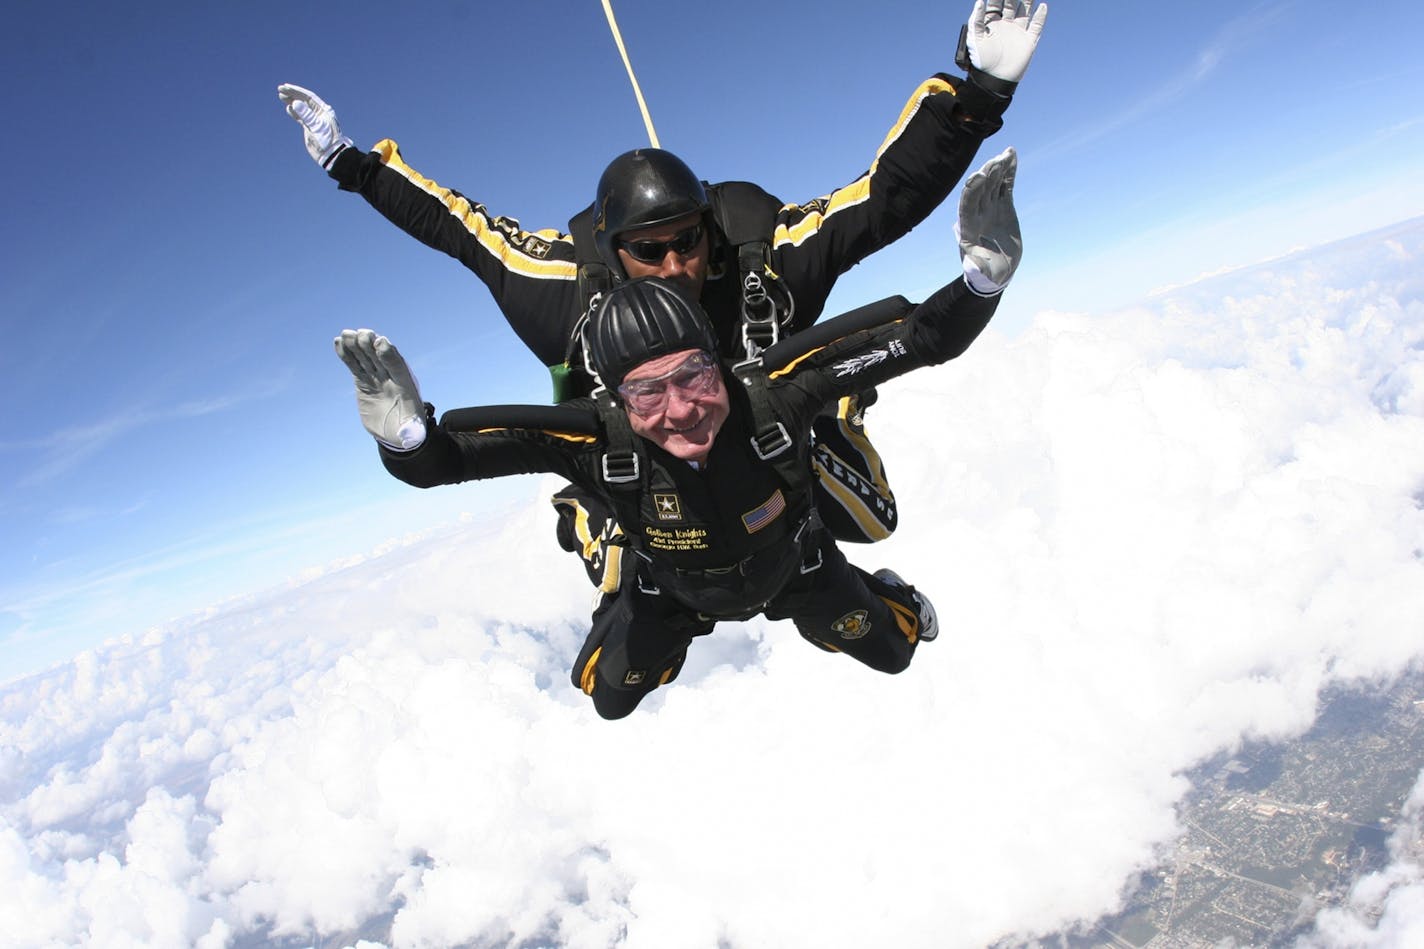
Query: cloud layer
{"type": "Point", "coordinates": [1149, 534]}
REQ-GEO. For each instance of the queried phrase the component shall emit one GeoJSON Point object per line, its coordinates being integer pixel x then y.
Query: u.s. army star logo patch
{"type": "Point", "coordinates": [668, 506]}
{"type": "Point", "coordinates": [853, 625]}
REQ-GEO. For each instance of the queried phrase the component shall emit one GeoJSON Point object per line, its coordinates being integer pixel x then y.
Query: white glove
{"type": "Point", "coordinates": [1002, 36]}
{"type": "Point", "coordinates": [386, 393]}
{"type": "Point", "coordinates": [990, 244]}
{"type": "Point", "coordinates": [319, 126]}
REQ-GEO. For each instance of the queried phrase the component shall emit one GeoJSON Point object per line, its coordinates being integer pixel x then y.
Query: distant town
{"type": "Point", "coordinates": [1275, 833]}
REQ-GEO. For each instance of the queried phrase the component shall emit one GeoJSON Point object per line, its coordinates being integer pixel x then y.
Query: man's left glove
{"type": "Point", "coordinates": [320, 130]}
{"type": "Point", "coordinates": [1001, 36]}
{"type": "Point", "coordinates": [386, 393]}
{"type": "Point", "coordinates": [990, 244]}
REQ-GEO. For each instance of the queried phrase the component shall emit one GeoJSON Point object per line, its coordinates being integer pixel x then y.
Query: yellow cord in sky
{"type": "Point", "coordinates": [618, 38]}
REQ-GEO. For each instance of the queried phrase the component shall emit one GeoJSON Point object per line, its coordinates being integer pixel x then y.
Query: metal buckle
{"type": "Point", "coordinates": [771, 442]}
{"type": "Point", "coordinates": [760, 327]}
{"type": "Point", "coordinates": [620, 469]}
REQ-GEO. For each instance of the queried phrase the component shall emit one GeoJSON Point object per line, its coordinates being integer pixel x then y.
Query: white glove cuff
{"type": "Point", "coordinates": [411, 435]}
{"type": "Point", "coordinates": [979, 282]}
{"type": "Point", "coordinates": [337, 147]}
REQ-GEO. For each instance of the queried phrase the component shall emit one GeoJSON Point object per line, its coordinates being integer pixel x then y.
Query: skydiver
{"type": "Point", "coordinates": [660, 220]}
{"type": "Point", "coordinates": [672, 441]}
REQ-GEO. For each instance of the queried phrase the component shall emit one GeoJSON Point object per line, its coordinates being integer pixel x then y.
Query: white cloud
{"type": "Point", "coordinates": [1150, 534]}
{"type": "Point", "coordinates": [1385, 909]}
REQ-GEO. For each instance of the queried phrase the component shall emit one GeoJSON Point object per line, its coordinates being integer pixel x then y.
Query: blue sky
{"type": "Point", "coordinates": [175, 266]}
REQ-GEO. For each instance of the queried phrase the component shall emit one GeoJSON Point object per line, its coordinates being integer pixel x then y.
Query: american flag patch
{"type": "Point", "coordinates": [764, 515]}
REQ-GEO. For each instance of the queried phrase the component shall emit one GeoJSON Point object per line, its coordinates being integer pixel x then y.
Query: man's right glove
{"type": "Point", "coordinates": [320, 129]}
{"type": "Point", "coordinates": [1000, 38]}
{"type": "Point", "coordinates": [386, 393]}
{"type": "Point", "coordinates": [990, 244]}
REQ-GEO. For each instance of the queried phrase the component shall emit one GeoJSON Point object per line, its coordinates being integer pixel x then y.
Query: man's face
{"type": "Point", "coordinates": [651, 256]}
{"type": "Point", "coordinates": [678, 402]}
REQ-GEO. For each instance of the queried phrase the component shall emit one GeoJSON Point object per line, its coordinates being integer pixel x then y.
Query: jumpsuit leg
{"type": "Point", "coordinates": [841, 608]}
{"type": "Point", "coordinates": [638, 641]}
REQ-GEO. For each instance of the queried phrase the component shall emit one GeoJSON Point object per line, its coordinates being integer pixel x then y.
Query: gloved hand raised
{"type": "Point", "coordinates": [386, 393]}
{"type": "Point", "coordinates": [990, 244]}
{"type": "Point", "coordinates": [1002, 35]}
{"type": "Point", "coordinates": [320, 129]}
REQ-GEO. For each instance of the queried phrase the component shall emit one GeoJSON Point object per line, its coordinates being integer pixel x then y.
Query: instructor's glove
{"type": "Point", "coordinates": [320, 129]}
{"type": "Point", "coordinates": [1001, 36]}
{"type": "Point", "coordinates": [990, 244]}
{"type": "Point", "coordinates": [386, 393]}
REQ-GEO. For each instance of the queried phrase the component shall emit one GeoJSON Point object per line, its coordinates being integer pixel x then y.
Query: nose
{"type": "Point", "coordinates": [679, 405]}
{"type": "Point", "coordinates": [673, 264]}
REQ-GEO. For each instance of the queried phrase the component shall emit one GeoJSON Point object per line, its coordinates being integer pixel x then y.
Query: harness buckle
{"type": "Point", "coordinates": [771, 442]}
{"type": "Point", "coordinates": [621, 468]}
{"type": "Point", "coordinates": [808, 527]}
{"type": "Point", "coordinates": [760, 327]}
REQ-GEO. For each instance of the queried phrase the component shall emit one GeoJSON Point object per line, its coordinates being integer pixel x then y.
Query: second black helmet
{"type": "Point", "coordinates": [642, 188]}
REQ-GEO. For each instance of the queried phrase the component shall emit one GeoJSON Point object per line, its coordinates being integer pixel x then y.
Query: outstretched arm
{"type": "Point", "coordinates": [483, 443]}
{"type": "Point", "coordinates": [828, 365]}
{"type": "Point", "coordinates": [924, 156]}
{"type": "Point", "coordinates": [531, 274]}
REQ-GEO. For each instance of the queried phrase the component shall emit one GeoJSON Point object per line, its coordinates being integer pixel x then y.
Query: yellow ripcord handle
{"type": "Point", "coordinates": [622, 50]}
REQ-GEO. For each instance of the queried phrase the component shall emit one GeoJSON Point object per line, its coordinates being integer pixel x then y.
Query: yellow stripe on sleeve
{"type": "Point", "coordinates": [493, 240]}
{"type": "Point", "coordinates": [855, 506]}
{"type": "Point", "coordinates": [858, 190]}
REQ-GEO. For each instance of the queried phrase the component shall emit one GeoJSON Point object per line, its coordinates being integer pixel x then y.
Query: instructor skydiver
{"type": "Point", "coordinates": [719, 516]}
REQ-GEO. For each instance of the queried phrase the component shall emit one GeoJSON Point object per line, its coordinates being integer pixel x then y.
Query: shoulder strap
{"type": "Point", "coordinates": [746, 215]}
{"type": "Point", "coordinates": [770, 439]}
{"type": "Point", "coordinates": [624, 465]}
{"type": "Point", "coordinates": [593, 275]}
{"type": "Point", "coordinates": [572, 379]}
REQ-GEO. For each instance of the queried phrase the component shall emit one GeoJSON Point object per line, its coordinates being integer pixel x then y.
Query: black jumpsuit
{"type": "Point", "coordinates": [532, 276]}
{"type": "Point", "coordinates": [733, 538]}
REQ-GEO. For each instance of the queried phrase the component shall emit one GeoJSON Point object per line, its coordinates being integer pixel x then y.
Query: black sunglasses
{"type": "Point", "coordinates": [652, 252]}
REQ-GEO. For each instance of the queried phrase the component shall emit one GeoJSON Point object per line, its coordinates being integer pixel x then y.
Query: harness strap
{"type": "Point", "coordinates": [770, 439]}
{"type": "Point", "coordinates": [747, 216]}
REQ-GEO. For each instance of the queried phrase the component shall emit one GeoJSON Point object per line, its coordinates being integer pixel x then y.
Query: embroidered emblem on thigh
{"type": "Point", "coordinates": [853, 625]}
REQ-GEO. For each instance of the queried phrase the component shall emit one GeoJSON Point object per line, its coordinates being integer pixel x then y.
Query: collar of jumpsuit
{"type": "Point", "coordinates": [687, 422]}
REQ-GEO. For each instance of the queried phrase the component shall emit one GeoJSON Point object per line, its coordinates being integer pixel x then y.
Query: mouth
{"type": "Point", "coordinates": [687, 430]}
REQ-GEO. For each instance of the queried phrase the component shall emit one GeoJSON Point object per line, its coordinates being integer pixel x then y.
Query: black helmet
{"type": "Point", "coordinates": [642, 188]}
{"type": "Point", "coordinates": [641, 320]}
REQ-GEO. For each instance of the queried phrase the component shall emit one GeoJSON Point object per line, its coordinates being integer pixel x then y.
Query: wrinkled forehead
{"type": "Point", "coordinates": [658, 366]}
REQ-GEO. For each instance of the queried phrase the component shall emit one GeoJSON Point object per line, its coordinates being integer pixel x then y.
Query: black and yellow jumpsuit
{"type": "Point", "coordinates": [532, 276]}
{"type": "Point", "coordinates": [732, 538]}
